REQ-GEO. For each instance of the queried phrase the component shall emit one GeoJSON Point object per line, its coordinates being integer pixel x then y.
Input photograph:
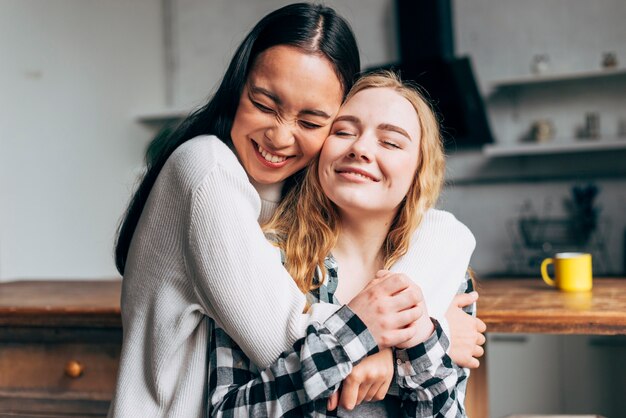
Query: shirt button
{"type": "Point", "coordinates": [398, 362]}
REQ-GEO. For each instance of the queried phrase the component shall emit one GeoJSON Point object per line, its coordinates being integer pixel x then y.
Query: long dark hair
{"type": "Point", "coordinates": [313, 28]}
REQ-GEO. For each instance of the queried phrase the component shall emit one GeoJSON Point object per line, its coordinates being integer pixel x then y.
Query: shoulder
{"type": "Point", "coordinates": [442, 224]}
{"type": "Point", "coordinates": [196, 159]}
{"type": "Point", "coordinates": [203, 153]}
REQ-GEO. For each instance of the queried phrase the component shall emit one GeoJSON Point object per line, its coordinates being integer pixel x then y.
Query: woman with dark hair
{"type": "Point", "coordinates": [190, 248]}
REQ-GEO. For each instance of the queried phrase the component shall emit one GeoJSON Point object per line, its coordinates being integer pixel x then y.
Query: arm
{"type": "Point", "coordinates": [237, 277]}
{"type": "Point", "coordinates": [430, 383]}
{"type": "Point", "coordinates": [437, 260]}
{"type": "Point", "coordinates": [381, 315]}
{"type": "Point", "coordinates": [311, 370]}
{"type": "Point", "coordinates": [427, 369]}
{"type": "Point", "coordinates": [466, 330]}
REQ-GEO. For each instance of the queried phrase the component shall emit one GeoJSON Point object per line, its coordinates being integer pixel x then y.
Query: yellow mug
{"type": "Point", "coordinates": [572, 271]}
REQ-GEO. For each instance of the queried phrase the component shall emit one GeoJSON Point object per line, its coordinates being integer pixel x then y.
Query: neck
{"type": "Point", "coordinates": [362, 237]}
{"type": "Point", "coordinates": [268, 192]}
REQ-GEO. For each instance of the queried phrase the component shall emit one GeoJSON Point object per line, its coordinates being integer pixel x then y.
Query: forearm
{"type": "Point", "coordinates": [437, 259]}
{"type": "Point", "coordinates": [430, 383]}
{"type": "Point", "coordinates": [311, 370]}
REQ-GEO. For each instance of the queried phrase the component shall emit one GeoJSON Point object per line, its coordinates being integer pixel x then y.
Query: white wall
{"type": "Point", "coordinates": [503, 35]}
{"type": "Point", "coordinates": [72, 74]}
{"type": "Point", "coordinates": [206, 33]}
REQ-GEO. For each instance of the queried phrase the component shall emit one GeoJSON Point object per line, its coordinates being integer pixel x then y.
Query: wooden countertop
{"type": "Point", "coordinates": [506, 305]}
{"type": "Point", "coordinates": [530, 306]}
{"type": "Point", "coordinates": [90, 303]}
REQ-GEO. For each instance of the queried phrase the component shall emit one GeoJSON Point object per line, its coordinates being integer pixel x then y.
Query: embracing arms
{"type": "Point", "coordinates": [316, 364]}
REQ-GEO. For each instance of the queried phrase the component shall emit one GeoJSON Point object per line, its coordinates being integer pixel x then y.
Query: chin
{"type": "Point", "coordinates": [269, 178]}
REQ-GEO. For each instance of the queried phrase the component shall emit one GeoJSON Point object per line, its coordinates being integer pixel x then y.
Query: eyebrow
{"type": "Point", "coordinates": [348, 118]}
{"type": "Point", "coordinates": [265, 92]}
{"type": "Point", "coordinates": [276, 99]}
{"type": "Point", "coordinates": [381, 127]}
{"type": "Point", "coordinates": [394, 128]}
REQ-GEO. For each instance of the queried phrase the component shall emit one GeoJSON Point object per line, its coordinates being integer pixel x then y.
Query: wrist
{"type": "Point", "coordinates": [425, 329]}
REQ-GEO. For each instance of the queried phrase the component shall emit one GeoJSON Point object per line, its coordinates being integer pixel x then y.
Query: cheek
{"type": "Point", "coordinates": [323, 169]}
{"type": "Point", "coordinates": [311, 143]}
{"type": "Point", "coordinates": [248, 120]}
{"type": "Point", "coordinates": [404, 170]}
{"type": "Point", "coordinates": [239, 124]}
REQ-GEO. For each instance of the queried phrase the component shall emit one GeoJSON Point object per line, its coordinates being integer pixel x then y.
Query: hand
{"type": "Point", "coordinates": [466, 332]}
{"type": "Point", "coordinates": [424, 325]}
{"type": "Point", "coordinates": [390, 308]}
{"type": "Point", "coordinates": [369, 380]}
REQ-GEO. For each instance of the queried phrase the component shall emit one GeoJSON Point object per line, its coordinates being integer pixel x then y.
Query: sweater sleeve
{"type": "Point", "coordinates": [237, 277]}
{"type": "Point", "coordinates": [437, 260]}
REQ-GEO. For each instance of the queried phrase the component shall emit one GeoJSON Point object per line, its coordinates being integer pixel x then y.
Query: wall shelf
{"type": "Point", "coordinates": [589, 145]}
{"type": "Point", "coordinates": [553, 78]}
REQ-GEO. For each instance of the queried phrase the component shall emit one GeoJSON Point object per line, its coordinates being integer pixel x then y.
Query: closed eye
{"type": "Point", "coordinates": [309, 125]}
{"type": "Point", "coordinates": [392, 144]}
{"type": "Point", "coordinates": [262, 108]}
{"type": "Point", "coordinates": [344, 133]}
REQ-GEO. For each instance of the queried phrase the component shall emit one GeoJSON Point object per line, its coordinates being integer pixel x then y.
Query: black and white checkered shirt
{"type": "Point", "coordinates": [426, 382]}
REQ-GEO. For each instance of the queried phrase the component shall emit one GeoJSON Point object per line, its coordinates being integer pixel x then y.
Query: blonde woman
{"type": "Point", "coordinates": [378, 175]}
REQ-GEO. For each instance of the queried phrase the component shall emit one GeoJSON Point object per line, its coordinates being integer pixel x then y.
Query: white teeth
{"type": "Point", "coordinates": [359, 175]}
{"type": "Point", "coordinates": [270, 157]}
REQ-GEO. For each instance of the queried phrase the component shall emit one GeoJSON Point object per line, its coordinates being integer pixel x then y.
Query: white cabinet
{"type": "Point", "coordinates": [556, 374]}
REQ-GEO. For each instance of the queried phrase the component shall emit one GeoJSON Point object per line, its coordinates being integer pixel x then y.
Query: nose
{"type": "Point", "coordinates": [361, 149]}
{"type": "Point", "coordinates": [281, 134]}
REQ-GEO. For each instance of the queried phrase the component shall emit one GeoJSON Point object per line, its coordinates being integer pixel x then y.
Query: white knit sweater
{"type": "Point", "coordinates": [198, 251]}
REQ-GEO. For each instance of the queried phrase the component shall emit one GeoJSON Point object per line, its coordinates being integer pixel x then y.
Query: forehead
{"type": "Point", "coordinates": [298, 78]}
{"type": "Point", "coordinates": [380, 105]}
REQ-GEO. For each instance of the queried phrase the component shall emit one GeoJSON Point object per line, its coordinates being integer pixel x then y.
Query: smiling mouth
{"type": "Point", "coordinates": [272, 158]}
{"type": "Point", "coordinates": [268, 159]}
{"type": "Point", "coordinates": [357, 174]}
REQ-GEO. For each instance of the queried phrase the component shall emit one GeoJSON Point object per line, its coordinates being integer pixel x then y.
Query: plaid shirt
{"type": "Point", "coordinates": [299, 383]}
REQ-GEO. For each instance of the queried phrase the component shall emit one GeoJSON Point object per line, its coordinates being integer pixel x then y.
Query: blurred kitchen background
{"type": "Point", "coordinates": [85, 84]}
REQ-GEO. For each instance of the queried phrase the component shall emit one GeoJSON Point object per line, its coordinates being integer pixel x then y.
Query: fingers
{"type": "Point", "coordinates": [395, 283]}
{"type": "Point", "coordinates": [372, 393]}
{"type": "Point", "coordinates": [407, 337]}
{"type": "Point", "coordinates": [349, 394]}
{"type": "Point", "coordinates": [333, 401]}
{"type": "Point", "coordinates": [472, 363]}
{"type": "Point", "coordinates": [388, 306]}
{"type": "Point", "coordinates": [478, 351]}
{"type": "Point", "coordinates": [407, 298]}
{"type": "Point", "coordinates": [382, 392]}
{"type": "Point", "coordinates": [480, 325]}
{"type": "Point", "coordinates": [408, 316]}
{"type": "Point", "coordinates": [363, 391]}
{"type": "Point", "coordinates": [465, 299]}
{"type": "Point", "coordinates": [481, 340]}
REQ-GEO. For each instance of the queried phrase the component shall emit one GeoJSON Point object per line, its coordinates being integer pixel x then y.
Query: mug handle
{"type": "Point", "coordinates": [544, 271]}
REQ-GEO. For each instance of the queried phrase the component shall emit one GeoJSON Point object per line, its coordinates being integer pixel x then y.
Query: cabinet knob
{"type": "Point", "coordinates": [74, 369]}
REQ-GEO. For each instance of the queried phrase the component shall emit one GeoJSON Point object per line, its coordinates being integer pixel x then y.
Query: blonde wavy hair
{"type": "Point", "coordinates": [306, 224]}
